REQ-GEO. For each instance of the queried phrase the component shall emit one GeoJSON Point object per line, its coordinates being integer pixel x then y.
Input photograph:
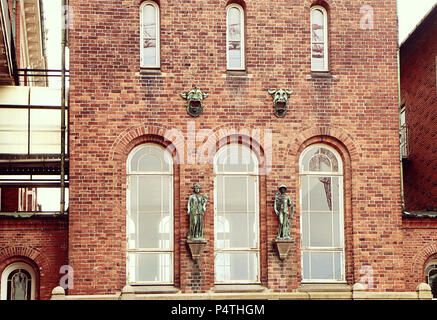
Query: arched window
{"type": "Point", "coordinates": [319, 39]}
{"type": "Point", "coordinates": [431, 276]}
{"type": "Point", "coordinates": [235, 37]}
{"type": "Point", "coordinates": [150, 215]}
{"type": "Point", "coordinates": [236, 215]}
{"type": "Point", "coordinates": [321, 204]}
{"type": "Point", "coordinates": [149, 35]}
{"type": "Point", "coordinates": [18, 282]}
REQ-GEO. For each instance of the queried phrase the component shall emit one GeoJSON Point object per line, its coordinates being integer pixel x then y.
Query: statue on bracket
{"type": "Point", "coordinates": [194, 99]}
{"type": "Point", "coordinates": [282, 202]}
{"type": "Point", "coordinates": [280, 99]}
{"type": "Point", "coordinates": [196, 211]}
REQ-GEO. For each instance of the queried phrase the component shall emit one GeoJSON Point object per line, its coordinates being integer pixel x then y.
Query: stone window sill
{"type": "Point", "coordinates": [237, 74]}
{"type": "Point", "coordinates": [142, 289]}
{"type": "Point", "coordinates": [151, 72]}
{"type": "Point", "coordinates": [321, 75]}
{"type": "Point", "coordinates": [325, 287]}
{"type": "Point", "coordinates": [237, 288]}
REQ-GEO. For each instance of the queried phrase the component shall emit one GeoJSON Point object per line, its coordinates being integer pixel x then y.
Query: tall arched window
{"type": "Point", "coordinates": [235, 37]}
{"type": "Point", "coordinates": [149, 35]}
{"type": "Point", "coordinates": [150, 215]}
{"type": "Point", "coordinates": [18, 282]}
{"type": "Point", "coordinates": [431, 276]}
{"type": "Point", "coordinates": [236, 215]}
{"type": "Point", "coordinates": [319, 39]}
{"type": "Point", "coordinates": [321, 203]}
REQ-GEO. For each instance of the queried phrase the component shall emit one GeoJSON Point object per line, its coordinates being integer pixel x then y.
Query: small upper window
{"type": "Point", "coordinates": [235, 37]}
{"type": "Point", "coordinates": [149, 35]}
{"type": "Point", "coordinates": [319, 39]}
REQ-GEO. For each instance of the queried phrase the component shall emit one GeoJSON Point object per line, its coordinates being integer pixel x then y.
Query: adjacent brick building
{"type": "Point", "coordinates": [418, 59]}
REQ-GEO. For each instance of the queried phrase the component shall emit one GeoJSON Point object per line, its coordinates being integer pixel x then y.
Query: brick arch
{"type": "Point", "coordinates": [125, 141]}
{"type": "Point", "coordinates": [13, 254]}
{"type": "Point", "coordinates": [323, 3]}
{"type": "Point", "coordinates": [421, 258]}
{"type": "Point", "coordinates": [330, 132]}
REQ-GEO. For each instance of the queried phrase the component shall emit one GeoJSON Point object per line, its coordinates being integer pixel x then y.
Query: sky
{"type": "Point", "coordinates": [410, 12]}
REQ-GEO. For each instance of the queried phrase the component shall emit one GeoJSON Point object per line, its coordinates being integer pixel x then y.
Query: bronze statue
{"type": "Point", "coordinates": [196, 211]}
{"type": "Point", "coordinates": [282, 202]}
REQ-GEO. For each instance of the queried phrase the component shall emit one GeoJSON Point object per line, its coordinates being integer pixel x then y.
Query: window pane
{"type": "Point", "coordinates": [317, 26]}
{"type": "Point", "coordinates": [150, 193]}
{"type": "Point", "coordinates": [338, 265]}
{"type": "Point", "coordinates": [149, 35]}
{"type": "Point", "coordinates": [317, 40]}
{"type": "Point", "coordinates": [236, 266]}
{"type": "Point", "coordinates": [20, 283]}
{"type": "Point", "coordinates": [320, 160]}
{"type": "Point", "coordinates": [322, 265]}
{"type": "Point", "coordinates": [150, 158]}
{"type": "Point", "coordinates": [305, 228]}
{"type": "Point", "coordinates": [321, 229]}
{"type": "Point", "coordinates": [234, 38]}
{"type": "Point", "coordinates": [306, 265]}
{"type": "Point", "coordinates": [236, 159]}
{"type": "Point", "coordinates": [320, 193]}
{"type": "Point", "coordinates": [305, 195]}
{"type": "Point", "coordinates": [13, 130]}
{"type": "Point", "coordinates": [150, 267]}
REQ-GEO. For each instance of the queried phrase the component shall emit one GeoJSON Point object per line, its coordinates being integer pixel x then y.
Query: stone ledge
{"type": "Point", "coordinates": [140, 289]}
{"type": "Point", "coordinates": [223, 288]}
{"type": "Point", "coordinates": [325, 287]}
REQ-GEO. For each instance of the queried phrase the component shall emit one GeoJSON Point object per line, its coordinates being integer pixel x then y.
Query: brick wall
{"type": "Point", "coordinates": [113, 107]}
{"type": "Point", "coordinates": [420, 246]}
{"type": "Point", "coordinates": [419, 95]}
{"type": "Point", "coordinates": [40, 242]}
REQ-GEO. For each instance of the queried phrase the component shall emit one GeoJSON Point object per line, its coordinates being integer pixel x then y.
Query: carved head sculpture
{"type": "Point", "coordinates": [196, 188]}
{"type": "Point", "coordinates": [194, 99]}
{"type": "Point", "coordinates": [280, 98]}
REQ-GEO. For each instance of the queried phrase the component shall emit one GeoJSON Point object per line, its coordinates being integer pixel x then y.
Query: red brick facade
{"type": "Point", "coordinates": [115, 106]}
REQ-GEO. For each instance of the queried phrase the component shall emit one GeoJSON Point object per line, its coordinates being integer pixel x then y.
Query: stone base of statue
{"type": "Point", "coordinates": [283, 246]}
{"type": "Point", "coordinates": [196, 247]}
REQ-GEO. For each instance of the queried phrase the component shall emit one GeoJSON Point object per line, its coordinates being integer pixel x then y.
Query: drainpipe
{"type": "Point", "coordinates": [64, 30]}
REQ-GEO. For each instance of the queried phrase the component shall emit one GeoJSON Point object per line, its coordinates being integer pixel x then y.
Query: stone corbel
{"type": "Point", "coordinates": [283, 246]}
{"type": "Point", "coordinates": [196, 248]}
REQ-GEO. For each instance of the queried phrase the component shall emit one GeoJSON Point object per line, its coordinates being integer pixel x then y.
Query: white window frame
{"type": "Point", "coordinates": [11, 268]}
{"type": "Point", "coordinates": [157, 63]}
{"type": "Point", "coordinates": [170, 250]}
{"type": "Point", "coordinates": [339, 174]}
{"type": "Point", "coordinates": [254, 173]}
{"type": "Point", "coordinates": [243, 55]}
{"type": "Point", "coordinates": [325, 38]}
